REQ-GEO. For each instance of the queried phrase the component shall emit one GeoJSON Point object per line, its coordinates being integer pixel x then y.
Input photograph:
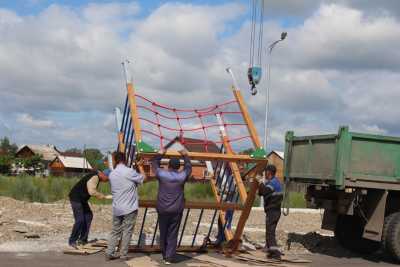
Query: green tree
{"type": "Point", "coordinates": [6, 162]}
{"type": "Point", "coordinates": [7, 147]}
{"type": "Point", "coordinates": [32, 164]}
{"type": "Point", "coordinates": [95, 158]}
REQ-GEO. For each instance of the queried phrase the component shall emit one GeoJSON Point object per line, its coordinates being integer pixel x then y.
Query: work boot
{"type": "Point", "coordinates": [275, 254]}
{"type": "Point", "coordinates": [111, 257]}
{"type": "Point", "coordinates": [73, 245]}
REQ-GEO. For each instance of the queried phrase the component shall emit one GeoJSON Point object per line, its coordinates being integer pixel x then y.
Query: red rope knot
{"type": "Point", "coordinates": [158, 125]}
{"type": "Point", "coordinates": [162, 137]}
{"type": "Point", "coordinates": [177, 118]}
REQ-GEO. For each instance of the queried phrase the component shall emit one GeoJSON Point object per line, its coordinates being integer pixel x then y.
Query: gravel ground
{"type": "Point", "coordinates": [45, 227]}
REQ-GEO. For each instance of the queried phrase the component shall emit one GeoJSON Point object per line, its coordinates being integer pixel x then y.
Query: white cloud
{"type": "Point", "coordinates": [339, 66]}
{"type": "Point", "coordinates": [28, 120]}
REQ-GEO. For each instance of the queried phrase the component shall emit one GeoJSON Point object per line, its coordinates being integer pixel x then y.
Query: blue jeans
{"type": "Point", "coordinates": [228, 219]}
{"type": "Point", "coordinates": [83, 218]}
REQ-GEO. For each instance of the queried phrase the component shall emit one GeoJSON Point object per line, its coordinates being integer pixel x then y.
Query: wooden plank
{"type": "Point", "coordinates": [156, 248]}
{"type": "Point", "coordinates": [228, 232]}
{"type": "Point", "coordinates": [235, 170]}
{"type": "Point", "coordinates": [135, 119]}
{"type": "Point", "coordinates": [256, 169]}
{"type": "Point", "coordinates": [247, 119]}
{"type": "Point", "coordinates": [134, 114]}
{"type": "Point", "coordinates": [196, 205]}
{"type": "Point", "coordinates": [246, 211]}
{"type": "Point", "coordinates": [121, 144]}
{"type": "Point", "coordinates": [206, 156]}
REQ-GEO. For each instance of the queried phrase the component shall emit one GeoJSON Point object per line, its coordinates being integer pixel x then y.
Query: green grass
{"type": "Point", "coordinates": [51, 189]}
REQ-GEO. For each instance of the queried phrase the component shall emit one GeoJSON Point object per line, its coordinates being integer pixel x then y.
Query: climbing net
{"type": "Point", "coordinates": [196, 127]}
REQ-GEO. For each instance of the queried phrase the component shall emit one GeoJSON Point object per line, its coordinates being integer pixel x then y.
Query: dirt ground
{"type": "Point", "coordinates": [37, 227]}
{"type": "Point", "coordinates": [30, 232]}
{"type": "Point", "coordinates": [48, 226]}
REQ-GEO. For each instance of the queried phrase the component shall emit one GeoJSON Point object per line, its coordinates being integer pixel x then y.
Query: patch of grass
{"type": "Point", "coordinates": [51, 189]}
{"type": "Point", "coordinates": [297, 200]}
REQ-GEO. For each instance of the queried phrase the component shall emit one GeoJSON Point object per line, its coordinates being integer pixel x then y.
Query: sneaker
{"type": "Point", "coordinates": [73, 245]}
{"type": "Point", "coordinates": [167, 262]}
{"type": "Point", "coordinates": [124, 258]}
{"type": "Point", "coordinates": [81, 242]}
{"type": "Point", "coordinates": [111, 257]}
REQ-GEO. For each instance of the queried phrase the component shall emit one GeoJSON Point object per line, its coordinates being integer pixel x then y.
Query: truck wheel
{"type": "Point", "coordinates": [385, 230]}
{"type": "Point", "coordinates": [392, 236]}
{"type": "Point", "coordinates": [349, 231]}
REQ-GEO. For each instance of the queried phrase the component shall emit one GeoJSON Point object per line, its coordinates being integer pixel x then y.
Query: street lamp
{"type": "Point", "coordinates": [270, 48]}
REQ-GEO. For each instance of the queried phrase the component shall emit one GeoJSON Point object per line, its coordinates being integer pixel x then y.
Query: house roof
{"type": "Point", "coordinates": [48, 152]}
{"type": "Point", "coordinates": [280, 154]}
{"type": "Point", "coordinates": [197, 145]}
{"type": "Point", "coordinates": [74, 162]}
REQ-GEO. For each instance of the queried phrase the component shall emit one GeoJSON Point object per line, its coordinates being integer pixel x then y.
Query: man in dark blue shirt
{"type": "Point", "coordinates": [272, 192]}
{"type": "Point", "coordinates": [170, 200]}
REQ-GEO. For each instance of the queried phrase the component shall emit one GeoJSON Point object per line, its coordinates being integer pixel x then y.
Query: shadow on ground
{"type": "Point", "coordinates": [327, 245]}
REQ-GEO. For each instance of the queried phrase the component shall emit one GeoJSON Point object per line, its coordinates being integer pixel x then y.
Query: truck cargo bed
{"type": "Point", "coordinates": [343, 159]}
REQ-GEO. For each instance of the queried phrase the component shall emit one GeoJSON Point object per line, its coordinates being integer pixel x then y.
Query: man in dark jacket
{"type": "Point", "coordinates": [79, 197]}
{"type": "Point", "coordinates": [271, 190]}
{"type": "Point", "coordinates": [170, 201]}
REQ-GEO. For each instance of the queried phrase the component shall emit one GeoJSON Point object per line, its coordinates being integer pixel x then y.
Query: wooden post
{"type": "Point", "coordinates": [247, 119]}
{"type": "Point", "coordinates": [243, 108]}
{"type": "Point", "coordinates": [233, 165]}
{"type": "Point", "coordinates": [228, 232]}
{"type": "Point", "coordinates": [134, 114]}
{"type": "Point", "coordinates": [247, 208]}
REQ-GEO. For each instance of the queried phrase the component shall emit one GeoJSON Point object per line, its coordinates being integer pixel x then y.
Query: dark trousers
{"type": "Point", "coordinates": [271, 221]}
{"type": "Point", "coordinates": [83, 218]}
{"type": "Point", "coordinates": [169, 227]}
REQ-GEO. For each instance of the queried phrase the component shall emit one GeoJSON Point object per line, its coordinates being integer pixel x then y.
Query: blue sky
{"type": "Point", "coordinates": [61, 74]}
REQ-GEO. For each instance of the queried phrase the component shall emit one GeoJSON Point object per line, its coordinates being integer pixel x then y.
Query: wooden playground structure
{"type": "Point", "coordinates": [234, 188]}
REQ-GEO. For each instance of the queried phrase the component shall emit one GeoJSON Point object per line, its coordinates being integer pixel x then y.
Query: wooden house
{"type": "Point", "coordinates": [69, 166]}
{"type": "Point", "coordinates": [201, 170]}
{"type": "Point", "coordinates": [47, 152]}
{"type": "Point", "coordinates": [276, 158]}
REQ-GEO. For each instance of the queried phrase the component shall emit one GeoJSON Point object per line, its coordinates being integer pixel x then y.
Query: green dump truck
{"type": "Point", "coordinates": [355, 178]}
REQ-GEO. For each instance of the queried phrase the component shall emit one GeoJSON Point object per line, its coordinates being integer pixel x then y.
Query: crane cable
{"type": "Point", "coordinates": [255, 60]}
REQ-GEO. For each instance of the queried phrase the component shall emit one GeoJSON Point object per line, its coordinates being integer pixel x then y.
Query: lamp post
{"type": "Point", "coordinates": [270, 48]}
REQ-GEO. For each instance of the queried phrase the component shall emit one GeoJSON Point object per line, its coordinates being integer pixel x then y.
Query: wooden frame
{"type": "Point", "coordinates": [229, 157]}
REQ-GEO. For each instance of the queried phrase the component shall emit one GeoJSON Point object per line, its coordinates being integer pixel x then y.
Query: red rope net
{"type": "Point", "coordinates": [196, 127]}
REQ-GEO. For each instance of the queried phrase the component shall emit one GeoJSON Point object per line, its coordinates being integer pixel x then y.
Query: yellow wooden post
{"type": "Point", "coordinates": [233, 165]}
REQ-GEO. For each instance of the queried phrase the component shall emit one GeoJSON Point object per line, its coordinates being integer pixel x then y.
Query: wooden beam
{"type": "Point", "coordinates": [228, 232]}
{"type": "Point", "coordinates": [235, 170]}
{"type": "Point", "coordinates": [134, 114]}
{"type": "Point", "coordinates": [156, 248]}
{"type": "Point", "coordinates": [135, 119]}
{"type": "Point", "coordinates": [246, 211]}
{"type": "Point", "coordinates": [196, 205]}
{"type": "Point", "coordinates": [247, 119]}
{"type": "Point", "coordinates": [206, 156]}
{"type": "Point", "coordinates": [257, 169]}
{"type": "Point", "coordinates": [121, 145]}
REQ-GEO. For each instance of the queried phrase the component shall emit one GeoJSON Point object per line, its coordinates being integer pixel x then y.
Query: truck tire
{"type": "Point", "coordinates": [385, 230]}
{"type": "Point", "coordinates": [392, 236]}
{"type": "Point", "coordinates": [349, 231]}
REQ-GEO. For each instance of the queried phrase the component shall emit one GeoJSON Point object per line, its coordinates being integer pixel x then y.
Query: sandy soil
{"type": "Point", "coordinates": [45, 227]}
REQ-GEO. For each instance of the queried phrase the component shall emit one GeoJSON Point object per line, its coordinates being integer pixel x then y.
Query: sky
{"type": "Point", "coordinates": [61, 74]}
